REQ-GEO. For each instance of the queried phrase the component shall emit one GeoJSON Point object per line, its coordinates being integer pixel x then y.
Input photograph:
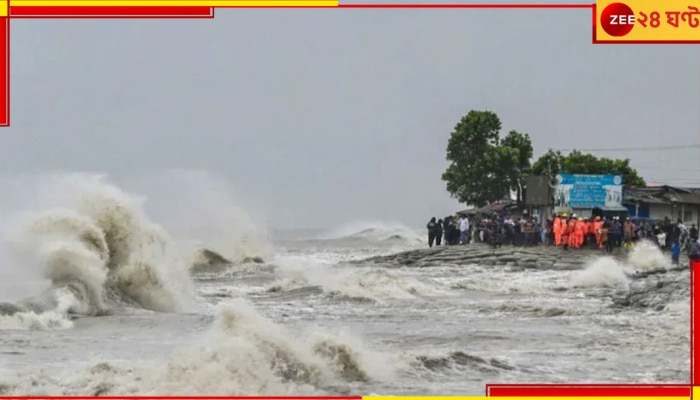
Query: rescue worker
{"type": "Point", "coordinates": [556, 229]}
{"type": "Point", "coordinates": [563, 231]}
{"type": "Point", "coordinates": [571, 231]}
{"type": "Point", "coordinates": [580, 229]}
{"type": "Point", "coordinates": [597, 226]}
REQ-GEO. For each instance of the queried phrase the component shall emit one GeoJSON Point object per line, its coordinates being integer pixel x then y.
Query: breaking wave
{"type": "Point", "coordinates": [201, 210]}
{"type": "Point", "coordinates": [97, 250]}
{"type": "Point", "coordinates": [360, 284]}
{"type": "Point", "coordinates": [610, 272]}
{"type": "Point", "coordinates": [242, 353]}
{"type": "Point", "coordinates": [603, 272]}
{"type": "Point", "coordinates": [373, 232]}
{"type": "Point", "coordinates": [646, 256]}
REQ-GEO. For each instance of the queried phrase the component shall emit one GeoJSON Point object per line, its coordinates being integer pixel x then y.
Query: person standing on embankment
{"type": "Point", "coordinates": [438, 232]}
{"type": "Point", "coordinates": [558, 228]}
{"type": "Point", "coordinates": [605, 239]}
{"type": "Point", "coordinates": [432, 230]}
{"type": "Point", "coordinates": [597, 226]}
{"type": "Point", "coordinates": [464, 230]}
{"type": "Point", "coordinates": [675, 253]}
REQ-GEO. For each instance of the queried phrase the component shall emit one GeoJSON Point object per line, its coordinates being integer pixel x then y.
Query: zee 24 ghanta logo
{"type": "Point", "coordinates": [618, 19]}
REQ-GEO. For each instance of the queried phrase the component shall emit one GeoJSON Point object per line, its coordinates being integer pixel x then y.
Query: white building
{"type": "Point", "coordinates": [659, 202]}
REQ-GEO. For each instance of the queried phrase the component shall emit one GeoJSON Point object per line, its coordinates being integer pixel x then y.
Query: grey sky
{"type": "Point", "coordinates": [321, 117]}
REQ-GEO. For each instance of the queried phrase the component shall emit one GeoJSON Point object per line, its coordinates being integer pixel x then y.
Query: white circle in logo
{"type": "Point", "coordinates": [617, 179]}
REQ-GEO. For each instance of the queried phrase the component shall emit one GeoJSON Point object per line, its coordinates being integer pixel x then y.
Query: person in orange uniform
{"type": "Point", "coordinates": [571, 231]}
{"type": "Point", "coordinates": [597, 226]}
{"type": "Point", "coordinates": [580, 232]}
{"type": "Point", "coordinates": [563, 234]}
{"type": "Point", "coordinates": [556, 229]}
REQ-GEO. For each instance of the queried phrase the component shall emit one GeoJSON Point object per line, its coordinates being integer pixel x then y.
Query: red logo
{"type": "Point", "coordinates": [617, 19]}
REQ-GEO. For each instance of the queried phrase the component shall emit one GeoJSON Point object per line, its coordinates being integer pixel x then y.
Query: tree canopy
{"type": "Point", "coordinates": [553, 162]}
{"type": "Point", "coordinates": [483, 167]}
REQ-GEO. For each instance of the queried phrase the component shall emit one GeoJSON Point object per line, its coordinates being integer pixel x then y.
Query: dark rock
{"type": "Point", "coordinates": [213, 258]}
{"type": "Point", "coordinates": [655, 291]}
{"type": "Point", "coordinates": [253, 260]}
{"type": "Point", "coordinates": [10, 309]}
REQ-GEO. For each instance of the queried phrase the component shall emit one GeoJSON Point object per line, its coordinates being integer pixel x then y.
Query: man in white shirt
{"type": "Point", "coordinates": [464, 230]}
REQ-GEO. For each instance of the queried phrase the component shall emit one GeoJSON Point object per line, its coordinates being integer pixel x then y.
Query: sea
{"type": "Point", "coordinates": [98, 297]}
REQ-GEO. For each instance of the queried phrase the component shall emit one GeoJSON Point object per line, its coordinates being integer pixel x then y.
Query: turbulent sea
{"type": "Point", "coordinates": [98, 296]}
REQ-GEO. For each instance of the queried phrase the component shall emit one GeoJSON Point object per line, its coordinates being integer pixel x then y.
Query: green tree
{"type": "Point", "coordinates": [549, 164]}
{"type": "Point", "coordinates": [481, 170]}
{"type": "Point", "coordinates": [576, 162]}
{"type": "Point", "coordinates": [521, 145]}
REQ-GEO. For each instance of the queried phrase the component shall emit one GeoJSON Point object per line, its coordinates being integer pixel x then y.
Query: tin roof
{"type": "Point", "coordinates": [662, 195]}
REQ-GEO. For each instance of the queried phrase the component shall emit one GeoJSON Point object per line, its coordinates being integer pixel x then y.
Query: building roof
{"type": "Point", "coordinates": [662, 195]}
{"type": "Point", "coordinates": [492, 208]}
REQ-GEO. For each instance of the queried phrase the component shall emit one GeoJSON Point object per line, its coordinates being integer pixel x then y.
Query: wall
{"type": "Point", "coordinates": [660, 211]}
{"type": "Point", "coordinates": [583, 212]}
{"type": "Point", "coordinates": [641, 211]}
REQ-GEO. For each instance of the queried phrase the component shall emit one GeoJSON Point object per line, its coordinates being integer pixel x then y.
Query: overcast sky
{"type": "Point", "coordinates": [321, 117]}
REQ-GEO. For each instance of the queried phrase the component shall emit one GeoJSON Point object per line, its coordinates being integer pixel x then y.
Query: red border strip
{"type": "Point", "coordinates": [5, 71]}
{"type": "Point", "coordinates": [694, 333]}
{"type": "Point", "coordinates": [111, 12]}
{"type": "Point", "coordinates": [589, 390]}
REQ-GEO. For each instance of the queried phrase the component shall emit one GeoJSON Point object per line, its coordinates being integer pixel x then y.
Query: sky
{"type": "Point", "coordinates": [320, 117]}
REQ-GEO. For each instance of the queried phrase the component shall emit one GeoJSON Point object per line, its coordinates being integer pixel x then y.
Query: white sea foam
{"type": "Point", "coordinates": [608, 272]}
{"type": "Point", "coordinates": [93, 239]}
{"type": "Point", "coordinates": [353, 282]}
{"type": "Point", "coordinates": [242, 353]}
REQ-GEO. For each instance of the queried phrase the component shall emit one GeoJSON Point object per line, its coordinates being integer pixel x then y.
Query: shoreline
{"type": "Point", "coordinates": [535, 257]}
{"type": "Point", "coordinates": [514, 257]}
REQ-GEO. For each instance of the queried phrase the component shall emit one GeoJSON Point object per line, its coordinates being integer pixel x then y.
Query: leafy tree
{"type": "Point", "coordinates": [549, 164]}
{"type": "Point", "coordinates": [522, 146]}
{"type": "Point", "coordinates": [576, 162]}
{"type": "Point", "coordinates": [482, 169]}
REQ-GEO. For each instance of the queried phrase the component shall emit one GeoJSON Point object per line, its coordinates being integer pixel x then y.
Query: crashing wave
{"type": "Point", "coordinates": [241, 354]}
{"type": "Point", "coordinates": [374, 232]}
{"type": "Point", "coordinates": [100, 250]}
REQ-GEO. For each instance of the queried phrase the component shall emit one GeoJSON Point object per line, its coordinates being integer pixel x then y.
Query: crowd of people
{"type": "Point", "coordinates": [566, 231]}
{"type": "Point", "coordinates": [615, 232]}
{"type": "Point", "coordinates": [494, 230]}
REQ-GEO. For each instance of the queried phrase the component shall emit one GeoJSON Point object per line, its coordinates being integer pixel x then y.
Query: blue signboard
{"type": "Point", "coordinates": [588, 191]}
